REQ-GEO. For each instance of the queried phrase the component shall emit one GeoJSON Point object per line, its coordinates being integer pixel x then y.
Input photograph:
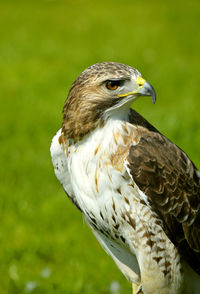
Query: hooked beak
{"type": "Point", "coordinates": [148, 90]}
{"type": "Point", "coordinates": [144, 89]}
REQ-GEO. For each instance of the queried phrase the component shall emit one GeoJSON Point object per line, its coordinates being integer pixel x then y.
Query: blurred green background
{"type": "Point", "coordinates": [45, 246]}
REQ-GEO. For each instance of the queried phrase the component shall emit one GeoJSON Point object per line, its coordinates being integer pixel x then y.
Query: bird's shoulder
{"type": "Point", "coordinates": [60, 163]}
{"type": "Point", "coordinates": [59, 160]}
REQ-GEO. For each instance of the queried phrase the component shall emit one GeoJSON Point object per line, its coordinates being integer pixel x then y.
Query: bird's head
{"type": "Point", "coordinates": [101, 91]}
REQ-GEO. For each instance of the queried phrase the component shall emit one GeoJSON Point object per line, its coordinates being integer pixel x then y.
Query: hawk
{"type": "Point", "coordinates": [138, 192]}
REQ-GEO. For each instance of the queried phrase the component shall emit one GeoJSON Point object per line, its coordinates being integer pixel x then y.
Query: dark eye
{"type": "Point", "coordinates": [113, 85]}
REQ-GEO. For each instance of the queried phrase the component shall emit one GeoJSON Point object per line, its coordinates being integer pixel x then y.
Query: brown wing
{"type": "Point", "coordinates": [172, 184]}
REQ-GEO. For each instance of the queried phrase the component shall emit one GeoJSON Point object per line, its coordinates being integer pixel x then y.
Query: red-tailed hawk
{"type": "Point", "coordinates": [139, 192]}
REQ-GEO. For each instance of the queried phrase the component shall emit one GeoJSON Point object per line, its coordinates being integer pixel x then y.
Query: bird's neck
{"type": "Point", "coordinates": [79, 125]}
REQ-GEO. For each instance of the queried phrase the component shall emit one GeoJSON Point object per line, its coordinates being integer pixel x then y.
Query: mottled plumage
{"type": "Point", "coordinates": [139, 192]}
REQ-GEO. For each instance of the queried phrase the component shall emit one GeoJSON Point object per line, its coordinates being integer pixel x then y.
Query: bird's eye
{"type": "Point", "coordinates": [112, 85]}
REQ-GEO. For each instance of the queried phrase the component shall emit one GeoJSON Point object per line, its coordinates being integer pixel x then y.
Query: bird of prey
{"type": "Point", "coordinates": [138, 192]}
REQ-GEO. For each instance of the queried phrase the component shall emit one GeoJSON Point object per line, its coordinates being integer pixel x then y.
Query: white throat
{"type": "Point", "coordinates": [119, 111]}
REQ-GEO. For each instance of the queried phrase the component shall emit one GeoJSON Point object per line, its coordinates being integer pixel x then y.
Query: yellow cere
{"type": "Point", "coordinates": [140, 82]}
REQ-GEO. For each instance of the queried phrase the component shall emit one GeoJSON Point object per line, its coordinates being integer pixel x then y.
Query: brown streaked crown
{"type": "Point", "coordinates": [86, 102]}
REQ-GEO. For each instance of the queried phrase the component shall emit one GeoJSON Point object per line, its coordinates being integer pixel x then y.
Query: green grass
{"type": "Point", "coordinates": [45, 247]}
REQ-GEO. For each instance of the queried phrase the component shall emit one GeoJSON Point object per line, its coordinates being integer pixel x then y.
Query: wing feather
{"type": "Point", "coordinates": [171, 183]}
